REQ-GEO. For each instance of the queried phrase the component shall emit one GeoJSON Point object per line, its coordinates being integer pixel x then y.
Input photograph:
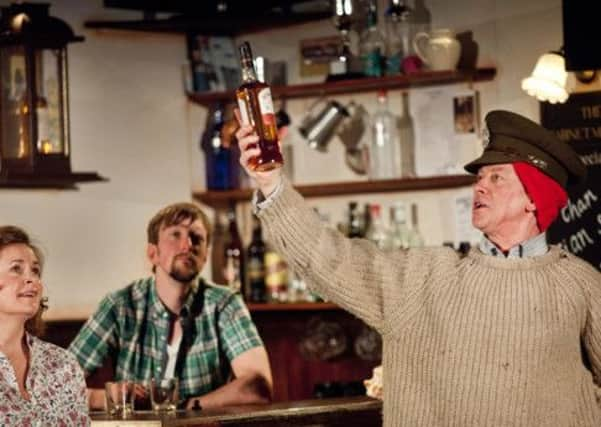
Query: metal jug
{"type": "Point", "coordinates": [319, 125]}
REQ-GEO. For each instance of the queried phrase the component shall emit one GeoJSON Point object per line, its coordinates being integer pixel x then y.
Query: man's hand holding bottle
{"type": "Point", "coordinates": [249, 149]}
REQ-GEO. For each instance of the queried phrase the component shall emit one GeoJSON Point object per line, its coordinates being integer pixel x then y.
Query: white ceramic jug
{"type": "Point", "coordinates": [439, 49]}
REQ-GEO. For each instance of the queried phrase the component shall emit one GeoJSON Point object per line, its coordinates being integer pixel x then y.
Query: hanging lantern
{"type": "Point", "coordinates": [34, 103]}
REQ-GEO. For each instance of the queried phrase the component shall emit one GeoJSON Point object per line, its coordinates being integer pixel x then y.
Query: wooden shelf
{"type": "Point", "coordinates": [227, 198]}
{"type": "Point", "coordinates": [296, 306]}
{"type": "Point", "coordinates": [368, 84]}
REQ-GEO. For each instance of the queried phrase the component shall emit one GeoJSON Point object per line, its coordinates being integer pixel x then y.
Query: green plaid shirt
{"type": "Point", "coordinates": [131, 326]}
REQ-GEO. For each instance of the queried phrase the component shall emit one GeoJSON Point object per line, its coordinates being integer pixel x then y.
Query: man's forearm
{"type": "Point", "coordinates": [240, 391]}
{"type": "Point", "coordinates": [95, 398]}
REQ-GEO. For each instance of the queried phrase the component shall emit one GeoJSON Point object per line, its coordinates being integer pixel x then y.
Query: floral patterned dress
{"type": "Point", "coordinates": [55, 384]}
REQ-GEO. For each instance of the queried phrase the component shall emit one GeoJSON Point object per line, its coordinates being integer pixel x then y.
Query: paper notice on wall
{"type": "Point", "coordinates": [446, 121]}
{"type": "Point", "coordinates": [464, 230]}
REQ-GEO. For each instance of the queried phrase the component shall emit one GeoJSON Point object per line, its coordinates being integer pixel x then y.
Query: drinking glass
{"type": "Point", "coordinates": [164, 394]}
{"type": "Point", "coordinates": [119, 398]}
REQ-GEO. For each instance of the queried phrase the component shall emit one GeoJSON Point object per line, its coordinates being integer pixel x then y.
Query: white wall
{"type": "Point", "coordinates": [132, 123]}
{"type": "Point", "coordinates": [129, 123]}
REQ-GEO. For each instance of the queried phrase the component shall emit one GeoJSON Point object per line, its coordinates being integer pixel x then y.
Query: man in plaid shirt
{"type": "Point", "coordinates": [175, 324]}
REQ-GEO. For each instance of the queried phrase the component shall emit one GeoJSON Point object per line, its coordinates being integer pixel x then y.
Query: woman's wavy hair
{"type": "Point", "coordinates": [11, 235]}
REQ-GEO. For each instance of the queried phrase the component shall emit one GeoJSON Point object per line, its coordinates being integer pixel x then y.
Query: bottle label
{"type": "Point", "coordinates": [256, 269]}
{"type": "Point", "coordinates": [276, 273]}
{"type": "Point", "coordinates": [244, 112]}
{"type": "Point", "coordinates": [266, 106]}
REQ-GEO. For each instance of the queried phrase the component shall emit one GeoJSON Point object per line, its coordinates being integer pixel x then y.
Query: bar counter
{"type": "Point", "coordinates": [355, 411]}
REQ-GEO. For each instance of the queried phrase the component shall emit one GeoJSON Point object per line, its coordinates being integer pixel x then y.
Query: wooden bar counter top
{"type": "Point", "coordinates": [346, 411]}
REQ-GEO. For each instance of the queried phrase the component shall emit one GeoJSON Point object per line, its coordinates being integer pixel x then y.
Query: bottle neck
{"type": "Point", "coordinates": [257, 235]}
{"type": "Point", "coordinates": [234, 230]}
{"type": "Point", "coordinates": [248, 72]}
{"type": "Point", "coordinates": [372, 21]}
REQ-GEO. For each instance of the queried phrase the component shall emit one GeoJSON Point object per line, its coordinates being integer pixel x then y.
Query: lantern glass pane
{"type": "Point", "coordinates": [15, 118]}
{"type": "Point", "coordinates": [49, 102]}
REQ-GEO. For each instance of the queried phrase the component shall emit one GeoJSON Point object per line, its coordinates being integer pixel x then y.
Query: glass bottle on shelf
{"type": "Point", "coordinates": [377, 231]}
{"type": "Point", "coordinates": [398, 35]}
{"type": "Point", "coordinates": [399, 231]}
{"type": "Point", "coordinates": [415, 236]}
{"type": "Point", "coordinates": [355, 228]}
{"type": "Point", "coordinates": [342, 18]}
{"type": "Point", "coordinates": [255, 265]}
{"type": "Point", "coordinates": [276, 276]}
{"type": "Point", "coordinates": [218, 155]}
{"type": "Point", "coordinates": [233, 270]}
{"type": "Point", "coordinates": [372, 44]}
{"type": "Point", "coordinates": [256, 109]}
{"type": "Point", "coordinates": [421, 19]}
{"type": "Point", "coordinates": [218, 242]}
{"type": "Point", "coordinates": [366, 218]}
{"type": "Point", "coordinates": [384, 161]}
{"type": "Point", "coordinates": [406, 139]}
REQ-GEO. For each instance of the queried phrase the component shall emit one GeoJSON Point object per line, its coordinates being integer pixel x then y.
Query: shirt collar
{"type": "Point", "coordinates": [158, 309]}
{"type": "Point", "coordinates": [535, 246]}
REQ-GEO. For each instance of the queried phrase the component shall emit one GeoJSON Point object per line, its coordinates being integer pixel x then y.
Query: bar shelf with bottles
{"type": "Point", "coordinates": [231, 197]}
{"type": "Point", "coordinates": [366, 84]}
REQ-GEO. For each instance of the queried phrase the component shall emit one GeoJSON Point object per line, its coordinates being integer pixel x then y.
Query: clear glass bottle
{"type": "Point", "coordinates": [415, 236]}
{"type": "Point", "coordinates": [406, 139]}
{"type": "Point", "coordinates": [255, 266]}
{"type": "Point", "coordinates": [377, 232]}
{"type": "Point", "coordinates": [372, 46]}
{"type": "Point", "coordinates": [256, 109]}
{"type": "Point", "coordinates": [384, 160]}
{"type": "Point", "coordinates": [399, 231]}
{"type": "Point", "coordinates": [398, 35]}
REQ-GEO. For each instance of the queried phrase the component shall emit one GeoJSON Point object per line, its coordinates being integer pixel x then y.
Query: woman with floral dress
{"type": "Point", "coordinates": [40, 383]}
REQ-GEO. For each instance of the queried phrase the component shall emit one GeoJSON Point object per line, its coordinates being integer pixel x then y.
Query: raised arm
{"type": "Point", "coordinates": [353, 273]}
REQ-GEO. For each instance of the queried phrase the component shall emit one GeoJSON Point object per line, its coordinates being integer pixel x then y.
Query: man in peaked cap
{"type": "Point", "coordinates": [544, 165]}
{"type": "Point", "coordinates": [494, 338]}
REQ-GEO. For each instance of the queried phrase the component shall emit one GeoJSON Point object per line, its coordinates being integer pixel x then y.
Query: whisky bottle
{"type": "Point", "coordinates": [255, 267]}
{"type": "Point", "coordinates": [233, 271]}
{"type": "Point", "coordinates": [256, 109]}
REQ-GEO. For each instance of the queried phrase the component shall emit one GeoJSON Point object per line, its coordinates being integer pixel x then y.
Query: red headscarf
{"type": "Point", "coordinates": [546, 194]}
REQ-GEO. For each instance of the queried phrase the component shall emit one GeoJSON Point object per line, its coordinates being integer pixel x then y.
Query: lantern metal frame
{"type": "Point", "coordinates": [29, 29]}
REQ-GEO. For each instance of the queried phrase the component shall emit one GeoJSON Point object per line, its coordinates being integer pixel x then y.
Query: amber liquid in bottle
{"type": "Point", "coordinates": [256, 109]}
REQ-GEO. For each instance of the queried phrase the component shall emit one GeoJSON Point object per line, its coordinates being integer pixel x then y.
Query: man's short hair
{"type": "Point", "coordinates": [174, 214]}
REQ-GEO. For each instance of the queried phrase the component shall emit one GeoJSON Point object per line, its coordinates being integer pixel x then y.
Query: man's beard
{"type": "Point", "coordinates": [185, 270]}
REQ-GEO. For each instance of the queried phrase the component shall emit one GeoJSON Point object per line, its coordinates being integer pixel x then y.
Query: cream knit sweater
{"type": "Point", "coordinates": [478, 341]}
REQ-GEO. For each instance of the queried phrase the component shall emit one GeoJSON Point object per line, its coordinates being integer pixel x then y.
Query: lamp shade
{"type": "Point", "coordinates": [548, 80]}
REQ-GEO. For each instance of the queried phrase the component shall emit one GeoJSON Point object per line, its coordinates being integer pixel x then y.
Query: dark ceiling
{"type": "Point", "coordinates": [215, 17]}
